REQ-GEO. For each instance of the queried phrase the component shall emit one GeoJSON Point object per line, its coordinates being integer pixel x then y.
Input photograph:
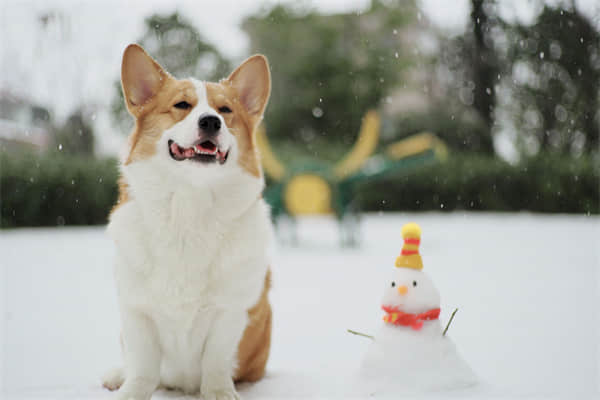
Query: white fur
{"type": "Point", "coordinates": [191, 260]}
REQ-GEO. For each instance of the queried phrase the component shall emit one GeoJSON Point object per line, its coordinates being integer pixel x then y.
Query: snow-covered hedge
{"type": "Point", "coordinates": [59, 190]}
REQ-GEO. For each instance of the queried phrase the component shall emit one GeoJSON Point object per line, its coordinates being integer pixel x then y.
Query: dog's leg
{"type": "Point", "coordinates": [113, 379]}
{"type": "Point", "coordinates": [220, 350]}
{"type": "Point", "coordinates": [141, 350]}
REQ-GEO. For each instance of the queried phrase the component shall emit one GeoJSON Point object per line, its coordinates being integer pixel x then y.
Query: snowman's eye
{"type": "Point", "coordinates": [414, 283]}
{"type": "Point", "coordinates": [393, 284]}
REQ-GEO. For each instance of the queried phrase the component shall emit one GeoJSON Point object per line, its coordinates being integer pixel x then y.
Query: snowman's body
{"type": "Point", "coordinates": [410, 349]}
{"type": "Point", "coordinates": [413, 360]}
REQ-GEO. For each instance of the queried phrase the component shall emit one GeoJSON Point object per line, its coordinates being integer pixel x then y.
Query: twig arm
{"type": "Point", "coordinates": [449, 321]}
{"type": "Point", "coordinates": [360, 334]}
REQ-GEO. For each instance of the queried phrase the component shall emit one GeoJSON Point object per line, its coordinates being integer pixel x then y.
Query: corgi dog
{"type": "Point", "coordinates": [192, 233]}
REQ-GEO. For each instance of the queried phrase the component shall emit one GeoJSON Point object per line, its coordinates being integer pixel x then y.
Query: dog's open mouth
{"type": "Point", "coordinates": [206, 152]}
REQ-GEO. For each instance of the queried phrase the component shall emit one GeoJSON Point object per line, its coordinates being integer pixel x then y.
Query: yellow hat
{"type": "Point", "coordinates": [410, 257]}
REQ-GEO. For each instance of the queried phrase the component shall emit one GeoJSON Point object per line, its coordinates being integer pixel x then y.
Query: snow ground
{"type": "Point", "coordinates": [527, 287]}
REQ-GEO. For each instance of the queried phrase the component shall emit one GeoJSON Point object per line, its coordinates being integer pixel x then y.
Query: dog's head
{"type": "Point", "coordinates": [195, 129]}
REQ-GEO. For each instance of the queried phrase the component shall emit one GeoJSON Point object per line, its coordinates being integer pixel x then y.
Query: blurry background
{"type": "Point", "coordinates": [512, 87]}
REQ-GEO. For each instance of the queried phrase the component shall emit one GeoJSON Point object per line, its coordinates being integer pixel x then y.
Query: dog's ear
{"type": "Point", "coordinates": [252, 80]}
{"type": "Point", "coordinates": [141, 78]}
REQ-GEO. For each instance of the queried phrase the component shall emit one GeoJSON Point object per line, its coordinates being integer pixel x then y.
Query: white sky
{"type": "Point", "coordinates": [62, 68]}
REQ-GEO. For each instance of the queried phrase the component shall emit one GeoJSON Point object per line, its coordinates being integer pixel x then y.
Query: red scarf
{"type": "Point", "coordinates": [396, 317]}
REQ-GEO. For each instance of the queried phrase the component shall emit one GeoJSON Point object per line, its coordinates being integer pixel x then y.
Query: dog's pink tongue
{"type": "Point", "coordinates": [189, 153]}
{"type": "Point", "coordinates": [175, 149]}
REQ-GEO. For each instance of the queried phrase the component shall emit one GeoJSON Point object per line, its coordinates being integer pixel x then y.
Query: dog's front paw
{"type": "Point", "coordinates": [113, 379]}
{"type": "Point", "coordinates": [132, 396]}
{"type": "Point", "coordinates": [224, 394]}
{"type": "Point", "coordinates": [136, 389]}
{"type": "Point", "coordinates": [129, 397]}
{"type": "Point", "coordinates": [224, 391]}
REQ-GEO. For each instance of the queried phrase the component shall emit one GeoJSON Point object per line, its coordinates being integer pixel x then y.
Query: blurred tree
{"type": "Point", "coordinates": [328, 70]}
{"type": "Point", "coordinates": [556, 80]}
{"type": "Point", "coordinates": [178, 46]}
{"type": "Point", "coordinates": [75, 137]}
{"type": "Point", "coordinates": [473, 65]}
{"type": "Point", "coordinates": [40, 116]}
{"type": "Point", "coordinates": [485, 66]}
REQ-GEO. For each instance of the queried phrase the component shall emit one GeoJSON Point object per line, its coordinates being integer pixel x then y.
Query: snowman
{"type": "Point", "coordinates": [411, 351]}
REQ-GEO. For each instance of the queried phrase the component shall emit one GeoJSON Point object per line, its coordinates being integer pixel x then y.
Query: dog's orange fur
{"type": "Point", "coordinates": [158, 115]}
{"type": "Point", "coordinates": [240, 124]}
{"type": "Point", "coordinates": [152, 108]}
{"type": "Point", "coordinates": [253, 350]}
{"type": "Point", "coordinates": [154, 113]}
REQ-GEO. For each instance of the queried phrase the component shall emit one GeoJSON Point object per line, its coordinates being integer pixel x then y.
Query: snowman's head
{"type": "Point", "coordinates": [411, 291]}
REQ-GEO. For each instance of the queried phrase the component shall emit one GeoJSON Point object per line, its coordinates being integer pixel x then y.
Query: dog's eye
{"type": "Point", "coordinates": [414, 283]}
{"type": "Point", "coordinates": [393, 284]}
{"type": "Point", "coordinates": [224, 110]}
{"type": "Point", "coordinates": [184, 105]}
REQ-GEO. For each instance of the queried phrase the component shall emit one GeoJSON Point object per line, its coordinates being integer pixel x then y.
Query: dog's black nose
{"type": "Point", "coordinates": [209, 124]}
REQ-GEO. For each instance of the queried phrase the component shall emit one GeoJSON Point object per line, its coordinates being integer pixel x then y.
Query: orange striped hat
{"type": "Point", "coordinates": [410, 257]}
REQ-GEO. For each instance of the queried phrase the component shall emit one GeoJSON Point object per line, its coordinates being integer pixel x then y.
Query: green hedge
{"type": "Point", "coordinates": [56, 190]}
{"type": "Point", "coordinates": [59, 190]}
{"type": "Point", "coordinates": [468, 182]}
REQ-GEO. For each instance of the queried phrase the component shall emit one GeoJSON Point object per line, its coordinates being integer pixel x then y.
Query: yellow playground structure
{"type": "Point", "coordinates": [317, 188]}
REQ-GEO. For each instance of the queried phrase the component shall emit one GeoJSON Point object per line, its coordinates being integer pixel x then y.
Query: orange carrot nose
{"type": "Point", "coordinates": [402, 290]}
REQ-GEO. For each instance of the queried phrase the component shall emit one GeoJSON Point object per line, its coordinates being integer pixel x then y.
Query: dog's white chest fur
{"type": "Point", "coordinates": [187, 255]}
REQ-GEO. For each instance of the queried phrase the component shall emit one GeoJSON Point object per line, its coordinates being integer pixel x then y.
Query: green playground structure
{"type": "Point", "coordinates": [319, 188]}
